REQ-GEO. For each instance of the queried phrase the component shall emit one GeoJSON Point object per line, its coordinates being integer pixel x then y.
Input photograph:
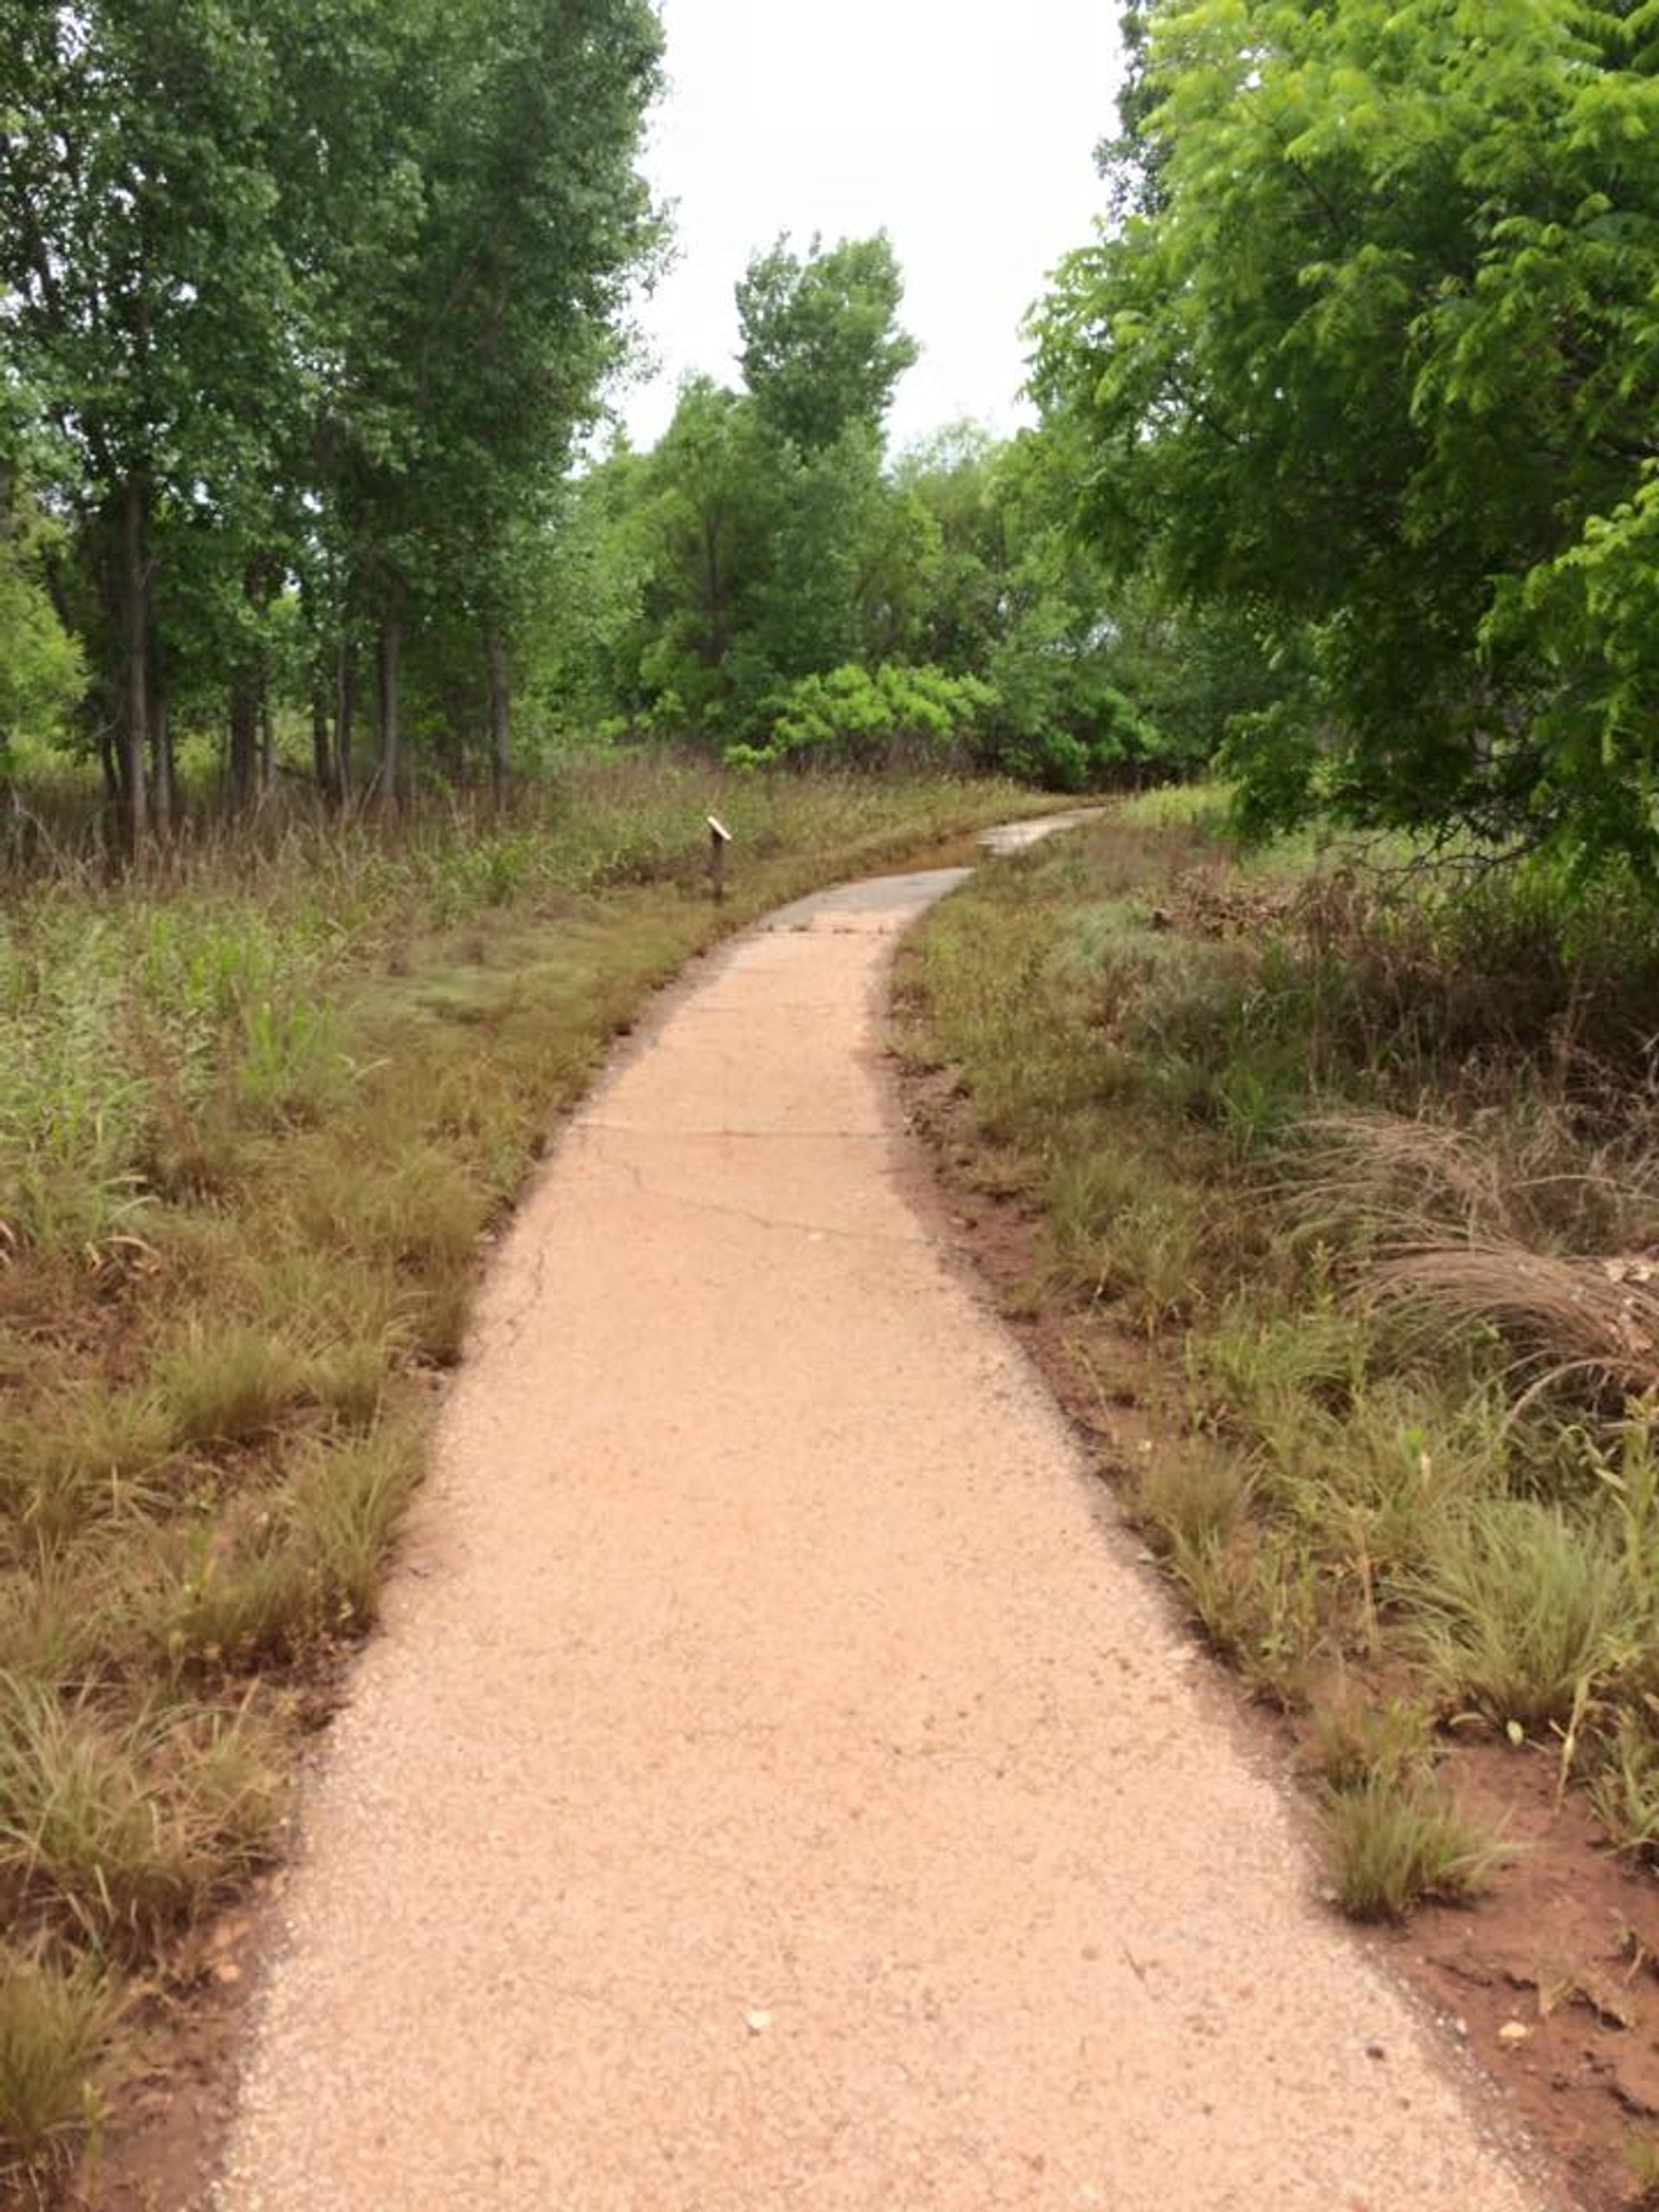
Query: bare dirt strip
{"type": "Point", "coordinates": [777, 1784]}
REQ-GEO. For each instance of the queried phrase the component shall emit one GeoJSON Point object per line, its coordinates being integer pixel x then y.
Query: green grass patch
{"type": "Point", "coordinates": [1392, 1844]}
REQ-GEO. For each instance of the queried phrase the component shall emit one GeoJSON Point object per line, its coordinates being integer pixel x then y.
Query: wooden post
{"type": "Point", "coordinates": [719, 837]}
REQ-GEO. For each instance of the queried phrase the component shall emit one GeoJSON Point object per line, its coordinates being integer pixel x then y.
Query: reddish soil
{"type": "Point", "coordinates": [1552, 1979]}
{"type": "Point", "coordinates": [168, 2113]}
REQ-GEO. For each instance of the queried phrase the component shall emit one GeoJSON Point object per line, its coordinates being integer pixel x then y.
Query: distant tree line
{"type": "Point", "coordinates": [767, 583]}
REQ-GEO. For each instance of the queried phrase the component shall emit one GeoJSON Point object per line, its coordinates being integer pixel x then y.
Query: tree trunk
{"type": "Point", "coordinates": [108, 756]}
{"type": "Point", "coordinates": [267, 739]}
{"type": "Point", "coordinates": [322, 751]}
{"type": "Point", "coordinates": [245, 741]}
{"type": "Point", "coordinates": [163, 778]}
{"type": "Point", "coordinates": [391, 638]}
{"type": "Point", "coordinates": [250, 736]}
{"type": "Point", "coordinates": [164, 774]}
{"type": "Point", "coordinates": [345, 703]}
{"type": "Point", "coordinates": [500, 717]}
{"type": "Point", "coordinates": [135, 723]}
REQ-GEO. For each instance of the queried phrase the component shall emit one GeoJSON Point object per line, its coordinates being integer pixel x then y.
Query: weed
{"type": "Point", "coordinates": [1194, 1500]}
{"type": "Point", "coordinates": [1357, 1739]}
{"type": "Point", "coordinates": [437, 1320]}
{"type": "Point", "coordinates": [63, 1618]}
{"type": "Point", "coordinates": [233, 1605]}
{"type": "Point", "coordinates": [1627, 1468]}
{"type": "Point", "coordinates": [348, 1378]}
{"type": "Point", "coordinates": [343, 1511]}
{"type": "Point", "coordinates": [78, 1456]}
{"type": "Point", "coordinates": [1392, 1842]}
{"type": "Point", "coordinates": [126, 1830]}
{"type": "Point", "coordinates": [1248, 1363]}
{"type": "Point", "coordinates": [292, 1065]}
{"type": "Point", "coordinates": [1141, 1246]}
{"type": "Point", "coordinates": [1258, 1597]}
{"type": "Point", "coordinates": [1203, 807]}
{"type": "Point", "coordinates": [226, 1386]}
{"type": "Point", "coordinates": [1376, 1489]}
{"type": "Point", "coordinates": [276, 1571]}
{"type": "Point", "coordinates": [1624, 1786]}
{"type": "Point", "coordinates": [54, 2022]}
{"type": "Point", "coordinates": [1522, 1612]}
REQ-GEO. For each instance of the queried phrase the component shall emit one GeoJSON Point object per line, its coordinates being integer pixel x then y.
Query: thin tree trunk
{"type": "Point", "coordinates": [267, 739]}
{"type": "Point", "coordinates": [322, 751]}
{"type": "Point", "coordinates": [108, 760]}
{"type": "Point", "coordinates": [134, 727]}
{"type": "Point", "coordinates": [391, 638]}
{"type": "Point", "coordinates": [345, 705]}
{"type": "Point", "coordinates": [245, 741]}
{"type": "Point", "coordinates": [164, 776]}
{"type": "Point", "coordinates": [163, 781]}
{"type": "Point", "coordinates": [500, 717]}
{"type": "Point", "coordinates": [249, 764]}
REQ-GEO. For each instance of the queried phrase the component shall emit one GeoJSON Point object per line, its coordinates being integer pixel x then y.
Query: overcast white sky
{"type": "Point", "coordinates": [964, 128]}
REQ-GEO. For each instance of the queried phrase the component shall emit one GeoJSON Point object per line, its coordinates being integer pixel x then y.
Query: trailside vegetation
{"type": "Point", "coordinates": [1334, 1208]}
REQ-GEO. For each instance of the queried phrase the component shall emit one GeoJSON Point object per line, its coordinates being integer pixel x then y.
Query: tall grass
{"type": "Point", "coordinates": [258, 1109]}
{"type": "Point", "coordinates": [1368, 1151]}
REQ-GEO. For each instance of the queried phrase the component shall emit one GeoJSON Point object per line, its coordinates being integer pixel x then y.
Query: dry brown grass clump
{"type": "Point", "coordinates": [1592, 1321]}
{"type": "Point", "coordinates": [1471, 1222]}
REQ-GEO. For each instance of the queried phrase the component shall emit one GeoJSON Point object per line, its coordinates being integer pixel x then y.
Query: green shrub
{"type": "Point", "coordinates": [859, 718]}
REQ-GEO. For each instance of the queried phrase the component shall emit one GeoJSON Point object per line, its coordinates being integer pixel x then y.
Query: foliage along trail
{"type": "Point", "coordinates": [774, 1785]}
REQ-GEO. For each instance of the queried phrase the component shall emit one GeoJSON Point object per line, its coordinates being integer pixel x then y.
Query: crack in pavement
{"type": "Point", "coordinates": [646, 1187]}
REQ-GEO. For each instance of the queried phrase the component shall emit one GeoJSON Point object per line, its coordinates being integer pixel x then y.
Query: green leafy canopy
{"type": "Point", "coordinates": [1370, 354]}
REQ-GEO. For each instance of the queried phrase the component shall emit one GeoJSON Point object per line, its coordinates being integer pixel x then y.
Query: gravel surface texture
{"type": "Point", "coordinates": [776, 1784]}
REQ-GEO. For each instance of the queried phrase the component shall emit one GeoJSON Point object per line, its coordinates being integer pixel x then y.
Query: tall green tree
{"type": "Point", "coordinates": [776, 548]}
{"type": "Point", "coordinates": [710, 496]}
{"type": "Point", "coordinates": [1369, 355]}
{"type": "Point", "coordinates": [313, 297]}
{"type": "Point", "coordinates": [822, 348]}
{"type": "Point", "coordinates": [474, 357]}
{"type": "Point", "coordinates": [147, 298]}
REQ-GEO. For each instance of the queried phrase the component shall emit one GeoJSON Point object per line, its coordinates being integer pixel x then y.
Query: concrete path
{"type": "Point", "coordinates": [775, 1788]}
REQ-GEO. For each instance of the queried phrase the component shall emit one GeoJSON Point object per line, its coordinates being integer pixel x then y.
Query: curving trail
{"type": "Point", "coordinates": [775, 1787]}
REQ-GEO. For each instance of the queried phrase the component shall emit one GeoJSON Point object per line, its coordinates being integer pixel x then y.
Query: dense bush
{"type": "Point", "coordinates": [895, 716]}
{"type": "Point", "coordinates": [1092, 736]}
